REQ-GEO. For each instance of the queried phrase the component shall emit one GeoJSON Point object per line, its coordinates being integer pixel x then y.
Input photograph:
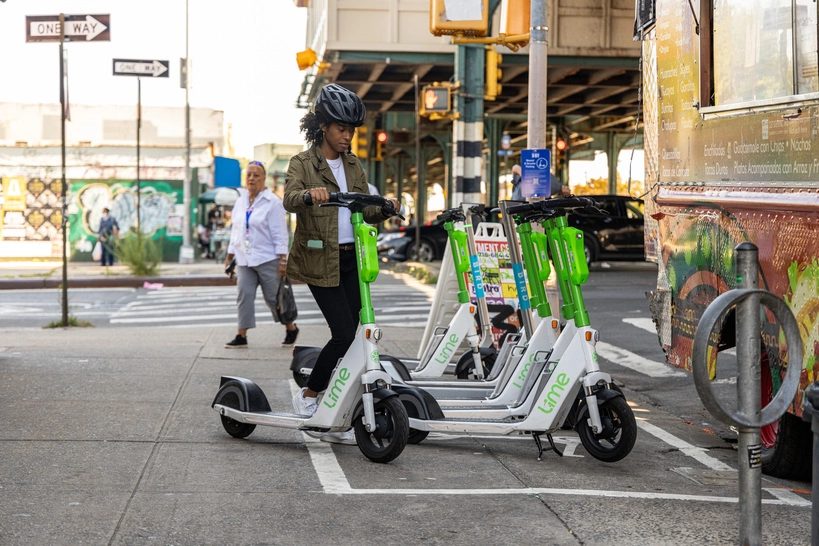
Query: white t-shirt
{"type": "Point", "coordinates": [345, 228]}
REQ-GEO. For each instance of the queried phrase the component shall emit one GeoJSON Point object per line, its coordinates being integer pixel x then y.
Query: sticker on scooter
{"type": "Point", "coordinates": [337, 388]}
{"type": "Point", "coordinates": [555, 393]}
{"type": "Point", "coordinates": [522, 375]}
{"type": "Point", "coordinates": [449, 348]}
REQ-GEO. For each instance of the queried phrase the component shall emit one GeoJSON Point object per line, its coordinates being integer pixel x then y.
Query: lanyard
{"type": "Point", "coordinates": [248, 212]}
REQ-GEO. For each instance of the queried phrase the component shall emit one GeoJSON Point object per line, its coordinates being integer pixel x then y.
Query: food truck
{"type": "Point", "coordinates": [730, 107]}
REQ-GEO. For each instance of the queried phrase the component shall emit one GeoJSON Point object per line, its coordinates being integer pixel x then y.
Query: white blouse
{"type": "Point", "coordinates": [259, 233]}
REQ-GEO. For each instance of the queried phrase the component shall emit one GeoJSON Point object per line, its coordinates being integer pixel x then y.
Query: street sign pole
{"type": "Point", "coordinates": [139, 68]}
{"type": "Point", "coordinates": [66, 28]}
{"type": "Point", "coordinates": [186, 251]}
{"type": "Point", "coordinates": [138, 128]}
{"type": "Point", "coordinates": [63, 193]}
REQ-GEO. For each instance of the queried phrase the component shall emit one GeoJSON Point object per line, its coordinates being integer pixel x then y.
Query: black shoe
{"type": "Point", "coordinates": [238, 342]}
{"type": "Point", "coordinates": [290, 338]}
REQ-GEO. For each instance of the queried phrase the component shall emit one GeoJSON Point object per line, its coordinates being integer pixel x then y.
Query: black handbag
{"type": "Point", "coordinates": [286, 302]}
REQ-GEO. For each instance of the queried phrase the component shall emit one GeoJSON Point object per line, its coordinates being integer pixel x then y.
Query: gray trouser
{"type": "Point", "coordinates": [265, 275]}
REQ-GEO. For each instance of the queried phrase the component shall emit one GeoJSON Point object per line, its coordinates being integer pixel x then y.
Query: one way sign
{"type": "Point", "coordinates": [131, 67]}
{"type": "Point", "coordinates": [85, 28]}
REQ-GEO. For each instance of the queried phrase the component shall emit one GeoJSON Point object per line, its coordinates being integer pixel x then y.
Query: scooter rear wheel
{"type": "Point", "coordinates": [389, 438]}
{"type": "Point", "coordinates": [619, 432]}
{"type": "Point", "coordinates": [232, 426]}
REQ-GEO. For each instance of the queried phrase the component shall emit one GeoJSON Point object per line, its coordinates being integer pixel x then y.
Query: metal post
{"type": "Point", "coordinates": [810, 411]}
{"type": "Point", "coordinates": [749, 398]}
{"type": "Point", "coordinates": [139, 127]}
{"type": "Point", "coordinates": [538, 49]}
{"type": "Point", "coordinates": [186, 252]}
{"type": "Point", "coordinates": [526, 317]}
{"type": "Point", "coordinates": [63, 189]}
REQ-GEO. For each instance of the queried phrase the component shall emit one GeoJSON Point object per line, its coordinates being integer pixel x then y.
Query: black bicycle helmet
{"type": "Point", "coordinates": [335, 103]}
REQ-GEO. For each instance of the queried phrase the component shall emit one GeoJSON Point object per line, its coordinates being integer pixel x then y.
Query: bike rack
{"type": "Point", "coordinates": [748, 417]}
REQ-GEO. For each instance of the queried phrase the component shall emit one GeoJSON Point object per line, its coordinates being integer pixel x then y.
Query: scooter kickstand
{"type": "Point", "coordinates": [553, 447]}
{"type": "Point", "coordinates": [536, 436]}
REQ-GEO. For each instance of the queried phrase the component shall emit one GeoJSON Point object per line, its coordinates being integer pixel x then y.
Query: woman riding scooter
{"type": "Point", "coordinates": [323, 251]}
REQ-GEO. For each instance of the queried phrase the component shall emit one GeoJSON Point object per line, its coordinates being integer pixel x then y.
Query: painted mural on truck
{"type": "Point", "coordinates": [160, 212]}
{"type": "Point", "coordinates": [737, 132]}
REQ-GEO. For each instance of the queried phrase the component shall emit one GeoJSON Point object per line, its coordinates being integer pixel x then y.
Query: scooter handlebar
{"type": "Point", "coordinates": [356, 202]}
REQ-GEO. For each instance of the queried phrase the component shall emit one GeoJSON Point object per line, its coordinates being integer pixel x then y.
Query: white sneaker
{"type": "Point", "coordinates": [304, 406]}
{"type": "Point", "coordinates": [344, 438]}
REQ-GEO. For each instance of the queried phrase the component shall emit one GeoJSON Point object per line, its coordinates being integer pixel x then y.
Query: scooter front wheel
{"type": "Point", "coordinates": [389, 438]}
{"type": "Point", "coordinates": [619, 432]}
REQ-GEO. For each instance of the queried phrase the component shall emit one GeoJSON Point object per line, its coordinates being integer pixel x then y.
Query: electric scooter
{"type": "Point", "coordinates": [358, 394]}
{"type": "Point", "coordinates": [480, 357]}
{"type": "Point", "coordinates": [599, 413]}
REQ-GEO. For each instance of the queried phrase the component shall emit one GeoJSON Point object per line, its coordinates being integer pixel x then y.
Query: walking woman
{"type": "Point", "coordinates": [258, 241]}
{"type": "Point", "coordinates": [323, 251]}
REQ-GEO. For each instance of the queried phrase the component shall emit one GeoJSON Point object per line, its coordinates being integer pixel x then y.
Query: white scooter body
{"type": "Point", "coordinates": [337, 403]}
{"type": "Point", "coordinates": [436, 357]}
{"type": "Point", "coordinates": [548, 411]}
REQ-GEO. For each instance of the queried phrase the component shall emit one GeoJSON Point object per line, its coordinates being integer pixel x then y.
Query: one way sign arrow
{"type": "Point", "coordinates": [132, 67]}
{"type": "Point", "coordinates": [86, 28]}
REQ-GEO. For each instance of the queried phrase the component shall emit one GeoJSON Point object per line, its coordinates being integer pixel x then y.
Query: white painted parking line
{"type": "Point", "coordinates": [636, 362]}
{"type": "Point", "coordinates": [692, 451]}
{"type": "Point", "coordinates": [334, 481]}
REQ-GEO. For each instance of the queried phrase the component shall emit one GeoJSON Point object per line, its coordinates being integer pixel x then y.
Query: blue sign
{"type": "Point", "coordinates": [535, 173]}
{"type": "Point", "coordinates": [506, 142]}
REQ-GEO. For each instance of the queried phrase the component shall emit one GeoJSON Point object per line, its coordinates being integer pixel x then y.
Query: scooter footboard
{"type": "Point", "coordinates": [242, 394]}
{"type": "Point", "coordinates": [418, 402]}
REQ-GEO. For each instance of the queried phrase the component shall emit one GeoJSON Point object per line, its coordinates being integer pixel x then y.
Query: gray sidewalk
{"type": "Point", "coordinates": [110, 439]}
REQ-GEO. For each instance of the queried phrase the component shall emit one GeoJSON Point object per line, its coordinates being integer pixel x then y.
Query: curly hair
{"type": "Point", "coordinates": [310, 125]}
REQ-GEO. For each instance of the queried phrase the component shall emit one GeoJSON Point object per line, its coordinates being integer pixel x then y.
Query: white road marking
{"type": "Point", "coordinates": [646, 324]}
{"type": "Point", "coordinates": [636, 362]}
{"type": "Point", "coordinates": [788, 496]}
{"type": "Point", "coordinates": [692, 451]}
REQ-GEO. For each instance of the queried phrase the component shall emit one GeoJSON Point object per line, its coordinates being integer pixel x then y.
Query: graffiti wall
{"type": "Point", "coordinates": [31, 209]}
{"type": "Point", "coordinates": [160, 212]}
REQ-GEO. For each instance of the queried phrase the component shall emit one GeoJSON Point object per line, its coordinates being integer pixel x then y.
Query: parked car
{"type": "Point", "coordinates": [617, 234]}
{"type": "Point", "coordinates": [400, 245]}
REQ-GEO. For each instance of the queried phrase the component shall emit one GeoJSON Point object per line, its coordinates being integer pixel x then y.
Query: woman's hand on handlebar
{"type": "Point", "coordinates": [319, 195]}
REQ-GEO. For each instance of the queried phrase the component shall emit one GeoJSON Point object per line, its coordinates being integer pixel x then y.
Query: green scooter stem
{"type": "Point", "coordinates": [537, 267]}
{"type": "Point", "coordinates": [460, 258]}
{"type": "Point", "coordinates": [366, 253]}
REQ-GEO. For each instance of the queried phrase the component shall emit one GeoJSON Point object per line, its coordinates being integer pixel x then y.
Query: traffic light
{"type": "Point", "coordinates": [435, 99]}
{"type": "Point", "coordinates": [360, 145]}
{"type": "Point", "coordinates": [380, 142]}
{"type": "Point", "coordinates": [493, 74]}
{"type": "Point", "coordinates": [561, 149]}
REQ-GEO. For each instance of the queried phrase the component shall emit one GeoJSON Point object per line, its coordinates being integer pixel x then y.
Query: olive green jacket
{"type": "Point", "coordinates": [314, 253]}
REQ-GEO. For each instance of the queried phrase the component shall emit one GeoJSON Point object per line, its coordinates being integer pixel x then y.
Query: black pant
{"type": "Point", "coordinates": [340, 306]}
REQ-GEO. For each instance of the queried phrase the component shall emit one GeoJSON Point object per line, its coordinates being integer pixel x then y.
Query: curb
{"type": "Point", "coordinates": [117, 282]}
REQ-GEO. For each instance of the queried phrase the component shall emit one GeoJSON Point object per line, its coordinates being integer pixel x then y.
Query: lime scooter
{"type": "Point", "coordinates": [510, 379]}
{"type": "Point", "coordinates": [571, 391]}
{"type": "Point", "coordinates": [446, 340]}
{"type": "Point", "coordinates": [359, 394]}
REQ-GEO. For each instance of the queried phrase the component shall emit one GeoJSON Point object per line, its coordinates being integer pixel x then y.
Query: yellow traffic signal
{"type": "Point", "coordinates": [360, 145]}
{"type": "Point", "coordinates": [493, 74]}
{"type": "Point", "coordinates": [380, 141]}
{"type": "Point", "coordinates": [468, 18]}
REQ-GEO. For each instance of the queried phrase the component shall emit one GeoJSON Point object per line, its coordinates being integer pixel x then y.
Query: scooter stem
{"type": "Point", "coordinates": [524, 305]}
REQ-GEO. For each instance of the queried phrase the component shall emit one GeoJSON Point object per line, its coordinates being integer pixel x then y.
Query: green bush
{"type": "Point", "coordinates": [141, 254]}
